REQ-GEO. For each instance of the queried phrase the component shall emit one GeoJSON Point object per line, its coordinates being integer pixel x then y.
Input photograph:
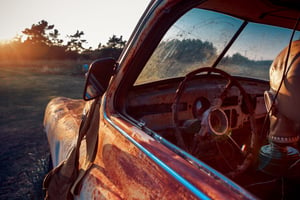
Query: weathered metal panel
{"type": "Point", "coordinates": [128, 172]}
{"type": "Point", "coordinates": [61, 122]}
{"type": "Point", "coordinates": [205, 181]}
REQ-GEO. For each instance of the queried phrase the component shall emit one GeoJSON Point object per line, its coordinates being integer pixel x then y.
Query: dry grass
{"type": "Point", "coordinates": [25, 90]}
{"type": "Point", "coordinates": [47, 66]}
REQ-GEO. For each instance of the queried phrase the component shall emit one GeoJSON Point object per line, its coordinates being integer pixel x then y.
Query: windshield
{"type": "Point", "coordinates": [199, 37]}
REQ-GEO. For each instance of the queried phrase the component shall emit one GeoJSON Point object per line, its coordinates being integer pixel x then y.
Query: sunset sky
{"type": "Point", "coordinates": [98, 19]}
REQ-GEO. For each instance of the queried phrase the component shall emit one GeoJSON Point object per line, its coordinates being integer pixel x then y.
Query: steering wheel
{"type": "Point", "coordinates": [214, 120]}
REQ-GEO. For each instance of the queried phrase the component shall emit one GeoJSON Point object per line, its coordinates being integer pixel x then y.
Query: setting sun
{"type": "Point", "coordinates": [6, 40]}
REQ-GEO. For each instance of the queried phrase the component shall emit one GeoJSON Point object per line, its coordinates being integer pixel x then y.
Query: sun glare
{"type": "Point", "coordinates": [6, 40]}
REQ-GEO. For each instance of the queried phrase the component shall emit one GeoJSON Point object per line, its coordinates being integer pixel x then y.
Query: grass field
{"type": "Point", "coordinates": [25, 90]}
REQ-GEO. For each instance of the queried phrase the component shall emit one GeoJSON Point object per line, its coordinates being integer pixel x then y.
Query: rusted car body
{"type": "Point", "coordinates": [175, 124]}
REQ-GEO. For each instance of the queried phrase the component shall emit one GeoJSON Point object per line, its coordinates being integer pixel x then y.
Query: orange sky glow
{"type": "Point", "coordinates": [98, 19]}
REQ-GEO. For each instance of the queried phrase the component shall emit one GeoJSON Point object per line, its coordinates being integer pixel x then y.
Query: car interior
{"type": "Point", "coordinates": [214, 106]}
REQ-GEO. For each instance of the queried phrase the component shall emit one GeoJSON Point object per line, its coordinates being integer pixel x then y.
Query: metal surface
{"type": "Point", "coordinates": [131, 163]}
{"type": "Point", "coordinates": [61, 123]}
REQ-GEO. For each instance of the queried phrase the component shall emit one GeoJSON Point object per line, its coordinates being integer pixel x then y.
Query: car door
{"type": "Point", "coordinates": [132, 163]}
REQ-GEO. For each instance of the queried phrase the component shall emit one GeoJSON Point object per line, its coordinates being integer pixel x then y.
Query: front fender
{"type": "Point", "coordinates": [61, 123]}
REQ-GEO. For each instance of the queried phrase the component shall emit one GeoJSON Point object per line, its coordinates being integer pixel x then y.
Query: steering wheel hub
{"type": "Point", "coordinates": [217, 122]}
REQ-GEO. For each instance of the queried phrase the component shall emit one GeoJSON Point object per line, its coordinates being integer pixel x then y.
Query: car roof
{"type": "Point", "coordinates": [284, 13]}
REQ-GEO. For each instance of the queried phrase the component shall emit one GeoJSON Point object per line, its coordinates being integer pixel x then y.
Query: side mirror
{"type": "Point", "coordinates": [98, 77]}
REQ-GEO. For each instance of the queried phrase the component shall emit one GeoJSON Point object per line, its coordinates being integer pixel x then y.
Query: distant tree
{"type": "Point", "coordinates": [42, 41]}
{"type": "Point", "coordinates": [113, 48]}
{"type": "Point", "coordinates": [99, 46]}
{"type": "Point", "coordinates": [75, 43]}
{"type": "Point", "coordinates": [116, 42]}
{"type": "Point", "coordinates": [237, 59]}
{"type": "Point", "coordinates": [187, 50]}
{"type": "Point", "coordinates": [37, 33]}
{"type": "Point", "coordinates": [54, 38]}
{"type": "Point", "coordinates": [57, 50]}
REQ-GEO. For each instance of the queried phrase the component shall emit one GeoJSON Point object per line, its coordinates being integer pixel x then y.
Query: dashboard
{"type": "Point", "coordinates": [152, 103]}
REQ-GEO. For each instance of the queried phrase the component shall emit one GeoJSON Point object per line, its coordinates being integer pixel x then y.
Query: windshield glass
{"type": "Point", "coordinates": [198, 38]}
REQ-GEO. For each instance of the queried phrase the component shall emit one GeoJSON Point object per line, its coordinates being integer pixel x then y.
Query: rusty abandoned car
{"type": "Point", "coordinates": [203, 103]}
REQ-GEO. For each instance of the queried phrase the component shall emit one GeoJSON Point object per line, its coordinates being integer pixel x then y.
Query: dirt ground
{"type": "Point", "coordinates": [24, 151]}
